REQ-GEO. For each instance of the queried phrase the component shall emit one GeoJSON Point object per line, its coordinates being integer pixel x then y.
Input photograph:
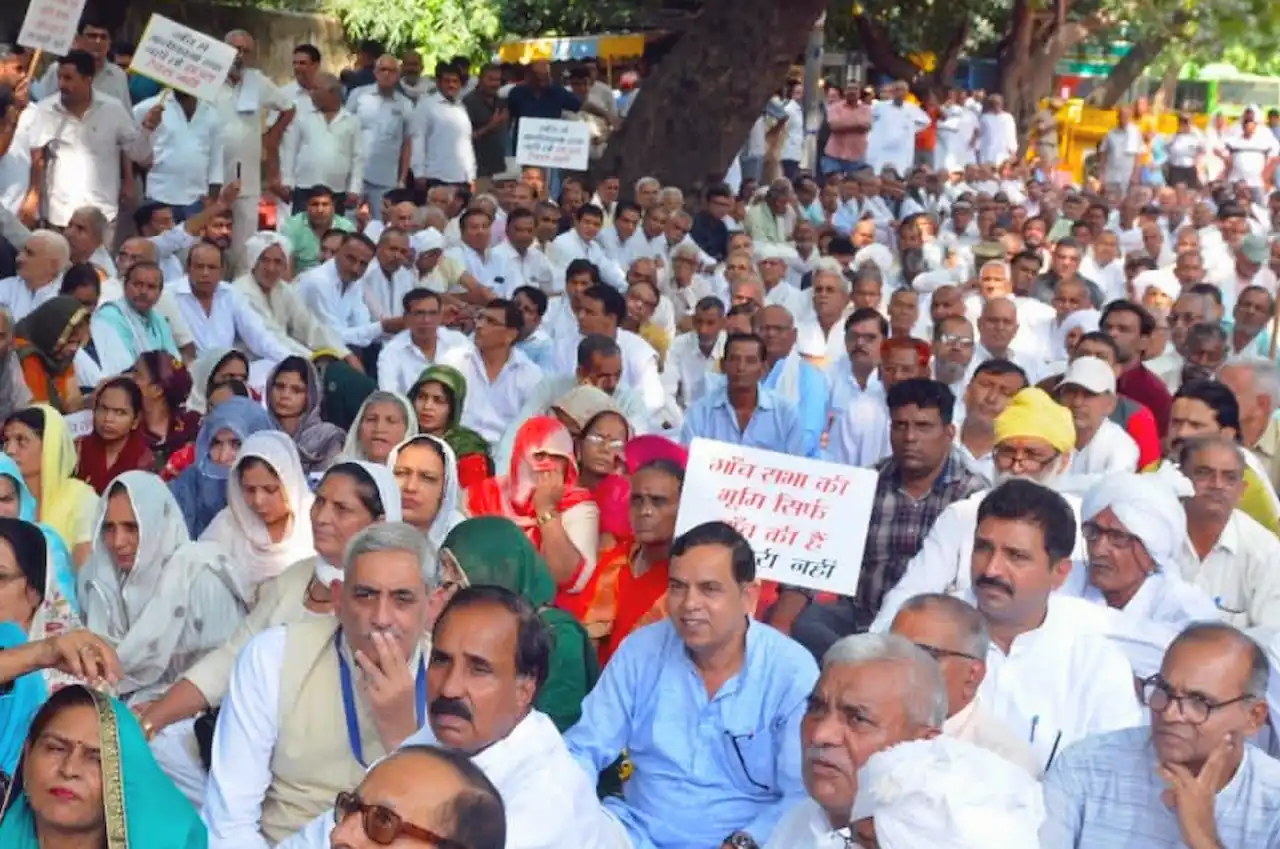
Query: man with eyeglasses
{"type": "Point", "coordinates": [1191, 779]}
{"type": "Point", "coordinates": [1188, 311]}
{"type": "Point", "coordinates": [955, 634]}
{"type": "Point", "coordinates": [462, 810]}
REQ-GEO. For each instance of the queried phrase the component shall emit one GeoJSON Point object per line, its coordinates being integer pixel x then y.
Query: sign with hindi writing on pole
{"type": "Point", "coordinates": [182, 58]}
{"type": "Point", "coordinates": [553, 143]}
{"type": "Point", "coordinates": [806, 519]}
{"type": "Point", "coordinates": [50, 25]}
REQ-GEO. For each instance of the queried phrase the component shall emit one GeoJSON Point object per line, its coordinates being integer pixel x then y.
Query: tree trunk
{"type": "Point", "coordinates": [694, 111]}
{"type": "Point", "coordinates": [1127, 71]}
{"type": "Point", "coordinates": [882, 54]}
{"type": "Point", "coordinates": [1164, 98]}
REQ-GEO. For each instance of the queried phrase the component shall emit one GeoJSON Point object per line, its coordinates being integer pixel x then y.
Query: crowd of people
{"type": "Point", "coordinates": [343, 460]}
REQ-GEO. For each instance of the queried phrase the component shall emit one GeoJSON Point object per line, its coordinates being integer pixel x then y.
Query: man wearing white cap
{"type": "Point", "coordinates": [1088, 390]}
{"type": "Point", "coordinates": [771, 262]}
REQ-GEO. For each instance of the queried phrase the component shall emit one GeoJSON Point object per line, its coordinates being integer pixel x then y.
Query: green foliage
{"type": "Point", "coordinates": [439, 29]}
{"type": "Point", "coordinates": [527, 18]}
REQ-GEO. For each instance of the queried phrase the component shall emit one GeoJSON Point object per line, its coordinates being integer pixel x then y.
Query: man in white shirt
{"type": "Point", "coordinates": [187, 159]}
{"type": "Point", "coordinates": [695, 355]}
{"type": "Point", "coordinates": [385, 112]}
{"type": "Point", "coordinates": [474, 254]}
{"type": "Point", "coordinates": [390, 277]}
{"type": "Point", "coordinates": [417, 347]}
{"type": "Point", "coordinates": [441, 128]}
{"type": "Point", "coordinates": [1051, 673]}
{"type": "Point", "coordinates": [624, 242]}
{"type": "Point", "coordinates": [894, 124]}
{"type": "Point", "coordinates": [500, 377]}
{"type": "Point", "coordinates": [218, 315]}
{"type": "Point", "coordinates": [1120, 152]}
{"type": "Point", "coordinates": [1252, 152]}
{"type": "Point", "coordinates": [524, 263]}
{"type": "Point", "coordinates": [881, 683]}
{"type": "Point", "coordinates": [85, 232]}
{"type": "Point", "coordinates": [333, 292]}
{"type": "Point", "coordinates": [1088, 390]}
{"type": "Point", "coordinates": [581, 243]}
{"type": "Point", "coordinates": [306, 65]}
{"type": "Point", "coordinates": [76, 141]}
{"type": "Point", "coordinates": [41, 262]}
{"type": "Point", "coordinates": [601, 310]}
{"type": "Point", "coordinates": [997, 133]}
{"type": "Point", "coordinates": [324, 147]}
{"type": "Point", "coordinates": [93, 36]}
{"type": "Point", "coordinates": [269, 778]}
{"type": "Point", "coordinates": [243, 104]}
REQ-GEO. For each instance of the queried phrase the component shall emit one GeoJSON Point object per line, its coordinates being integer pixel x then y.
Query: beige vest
{"type": "Point", "coordinates": [312, 761]}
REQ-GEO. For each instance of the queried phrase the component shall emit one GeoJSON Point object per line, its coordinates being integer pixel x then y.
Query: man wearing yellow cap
{"type": "Point", "coordinates": [1035, 437]}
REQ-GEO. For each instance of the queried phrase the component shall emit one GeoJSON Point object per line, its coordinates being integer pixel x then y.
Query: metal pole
{"type": "Point", "coordinates": [812, 102]}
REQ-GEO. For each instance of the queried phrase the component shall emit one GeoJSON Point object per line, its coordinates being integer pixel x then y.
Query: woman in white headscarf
{"type": "Point", "coordinates": [350, 497]}
{"type": "Point", "coordinates": [283, 312]}
{"type": "Point", "coordinates": [426, 471]}
{"type": "Point", "coordinates": [385, 420]}
{"type": "Point", "coordinates": [266, 525]}
{"type": "Point", "coordinates": [160, 599]}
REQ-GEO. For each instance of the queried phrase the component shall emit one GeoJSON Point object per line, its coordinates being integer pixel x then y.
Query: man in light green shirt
{"type": "Point", "coordinates": [304, 230]}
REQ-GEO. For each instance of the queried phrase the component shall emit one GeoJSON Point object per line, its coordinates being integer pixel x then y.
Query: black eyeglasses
{"type": "Point", "coordinates": [384, 826]}
{"type": "Point", "coordinates": [940, 654]}
{"type": "Point", "coordinates": [1092, 532]}
{"type": "Point", "coordinates": [1194, 707]}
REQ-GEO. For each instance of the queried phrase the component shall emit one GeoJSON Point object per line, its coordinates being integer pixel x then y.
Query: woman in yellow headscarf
{"type": "Point", "coordinates": [40, 443]}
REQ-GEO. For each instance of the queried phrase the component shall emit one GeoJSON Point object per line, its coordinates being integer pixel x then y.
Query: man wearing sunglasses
{"type": "Point", "coordinates": [426, 794]}
{"type": "Point", "coordinates": [1191, 779]}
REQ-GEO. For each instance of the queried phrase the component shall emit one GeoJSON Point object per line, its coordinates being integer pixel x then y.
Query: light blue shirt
{"type": "Point", "coordinates": [1104, 793]}
{"type": "Point", "coordinates": [774, 425]}
{"type": "Point", "coordinates": [704, 767]}
{"type": "Point", "coordinates": [814, 394]}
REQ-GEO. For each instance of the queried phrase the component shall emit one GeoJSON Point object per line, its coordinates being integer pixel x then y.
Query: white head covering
{"type": "Point", "coordinates": [142, 612]}
{"type": "Point", "coordinates": [388, 494]}
{"type": "Point", "coordinates": [239, 530]}
{"type": "Point", "coordinates": [1160, 279]}
{"type": "Point", "coordinates": [450, 512]}
{"type": "Point", "coordinates": [256, 244]}
{"type": "Point", "coordinates": [1148, 506]}
{"type": "Point", "coordinates": [352, 449]}
{"type": "Point", "coordinates": [1087, 320]}
{"type": "Point", "coordinates": [945, 793]}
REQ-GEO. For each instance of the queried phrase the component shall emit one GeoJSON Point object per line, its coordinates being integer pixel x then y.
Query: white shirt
{"type": "Point", "coordinates": [386, 128]}
{"type": "Point", "coordinates": [569, 246]}
{"type": "Point", "coordinates": [442, 141]}
{"type": "Point", "coordinates": [975, 724]}
{"type": "Point", "coordinates": [339, 306]}
{"type": "Point", "coordinates": [892, 140]}
{"type": "Point", "coordinates": [548, 801]}
{"type": "Point", "coordinates": [1249, 156]}
{"type": "Point", "coordinates": [796, 301]}
{"type": "Point", "coordinates": [383, 295]}
{"type": "Point", "coordinates": [401, 362]}
{"type": "Point", "coordinates": [1110, 450]}
{"type": "Point", "coordinates": [230, 320]}
{"type": "Point", "coordinates": [491, 406]}
{"type": "Point", "coordinates": [1122, 145]}
{"type": "Point", "coordinates": [806, 826]}
{"type": "Point", "coordinates": [793, 145]}
{"type": "Point", "coordinates": [241, 118]}
{"type": "Point", "coordinates": [318, 151]}
{"type": "Point", "coordinates": [859, 436]}
{"type": "Point", "coordinates": [20, 300]}
{"type": "Point", "coordinates": [624, 253]}
{"type": "Point", "coordinates": [487, 268]}
{"type": "Point", "coordinates": [528, 269]}
{"type": "Point", "coordinates": [685, 376]}
{"type": "Point", "coordinates": [997, 138]}
{"type": "Point", "coordinates": [1185, 149]}
{"type": "Point", "coordinates": [15, 165]}
{"type": "Point", "coordinates": [1241, 573]}
{"type": "Point", "coordinates": [187, 152]}
{"type": "Point", "coordinates": [639, 366]}
{"type": "Point", "coordinates": [83, 168]}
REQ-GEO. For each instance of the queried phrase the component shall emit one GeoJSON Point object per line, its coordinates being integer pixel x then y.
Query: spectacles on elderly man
{"type": "Point", "coordinates": [1116, 538]}
{"type": "Point", "coordinates": [1195, 708]}
{"type": "Point", "coordinates": [384, 826]}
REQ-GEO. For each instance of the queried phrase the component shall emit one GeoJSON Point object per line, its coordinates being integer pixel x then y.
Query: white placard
{"type": "Point", "coordinates": [182, 58]}
{"type": "Point", "coordinates": [553, 143]}
{"type": "Point", "coordinates": [806, 519]}
{"type": "Point", "coordinates": [80, 424]}
{"type": "Point", "coordinates": [50, 25]}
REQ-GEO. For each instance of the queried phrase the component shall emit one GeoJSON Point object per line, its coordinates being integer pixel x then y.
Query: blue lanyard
{"type": "Point", "coordinates": [349, 700]}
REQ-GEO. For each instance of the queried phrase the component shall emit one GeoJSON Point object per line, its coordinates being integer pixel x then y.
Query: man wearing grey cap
{"type": "Point", "coordinates": [1088, 390]}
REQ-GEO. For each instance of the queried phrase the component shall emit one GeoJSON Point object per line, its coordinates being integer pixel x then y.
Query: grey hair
{"type": "Point", "coordinates": [1205, 331]}
{"type": "Point", "coordinates": [964, 616]}
{"type": "Point", "coordinates": [828, 267]}
{"type": "Point", "coordinates": [925, 691]}
{"type": "Point", "coordinates": [382, 396]}
{"type": "Point", "coordinates": [395, 536]}
{"type": "Point", "coordinates": [94, 218]}
{"type": "Point", "coordinates": [1266, 376]}
{"type": "Point", "coordinates": [998, 264]}
{"type": "Point", "coordinates": [436, 214]}
{"type": "Point", "coordinates": [672, 193]}
{"type": "Point", "coordinates": [647, 181]}
{"type": "Point", "coordinates": [681, 215]}
{"type": "Point", "coordinates": [328, 82]}
{"type": "Point", "coordinates": [57, 243]}
{"type": "Point", "coordinates": [1195, 445]}
{"type": "Point", "coordinates": [1259, 665]}
{"type": "Point", "coordinates": [237, 32]}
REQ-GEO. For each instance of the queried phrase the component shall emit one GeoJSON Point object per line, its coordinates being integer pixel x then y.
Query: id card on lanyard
{"type": "Point", "coordinates": [349, 700]}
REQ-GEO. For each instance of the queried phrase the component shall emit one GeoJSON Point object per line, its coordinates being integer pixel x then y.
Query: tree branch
{"type": "Point", "coordinates": [946, 67]}
{"type": "Point", "coordinates": [881, 52]}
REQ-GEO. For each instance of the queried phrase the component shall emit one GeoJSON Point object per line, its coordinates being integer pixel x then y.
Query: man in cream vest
{"type": "Point", "coordinates": [313, 703]}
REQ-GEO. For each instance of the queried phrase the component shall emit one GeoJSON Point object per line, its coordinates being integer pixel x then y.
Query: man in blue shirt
{"type": "Point", "coordinates": [707, 704]}
{"type": "Point", "coordinates": [796, 380]}
{"type": "Point", "coordinates": [740, 410]}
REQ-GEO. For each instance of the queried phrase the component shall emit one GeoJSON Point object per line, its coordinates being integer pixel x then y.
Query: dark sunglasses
{"type": "Point", "coordinates": [384, 826]}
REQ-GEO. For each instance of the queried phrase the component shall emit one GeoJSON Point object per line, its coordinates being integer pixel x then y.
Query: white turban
{"type": "Point", "coordinates": [256, 244]}
{"type": "Point", "coordinates": [1161, 279]}
{"type": "Point", "coordinates": [1148, 507]}
{"type": "Point", "coordinates": [1087, 320]}
{"type": "Point", "coordinates": [945, 793]}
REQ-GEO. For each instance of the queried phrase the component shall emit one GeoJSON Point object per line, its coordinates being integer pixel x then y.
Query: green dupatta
{"type": "Point", "coordinates": [464, 441]}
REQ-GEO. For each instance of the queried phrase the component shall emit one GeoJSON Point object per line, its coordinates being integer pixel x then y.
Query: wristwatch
{"type": "Point", "coordinates": [741, 840]}
{"type": "Point", "coordinates": [547, 517]}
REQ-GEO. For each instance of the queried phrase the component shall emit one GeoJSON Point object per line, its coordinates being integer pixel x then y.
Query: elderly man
{"type": "Point", "coordinates": [85, 232]}
{"type": "Point", "coordinates": [44, 258]}
{"type": "Point", "coordinates": [269, 778]}
{"type": "Point", "coordinates": [826, 315]}
{"type": "Point", "coordinates": [955, 634]}
{"type": "Point", "coordinates": [125, 328]}
{"type": "Point", "coordinates": [790, 376]}
{"type": "Point", "coordinates": [218, 315]}
{"type": "Point", "coordinates": [702, 777]}
{"type": "Point", "coordinates": [1088, 390]}
{"type": "Point", "coordinates": [323, 147]}
{"type": "Point", "coordinates": [772, 219]}
{"type": "Point", "coordinates": [1034, 438]}
{"type": "Point", "coordinates": [1191, 779]}
{"type": "Point", "coordinates": [1233, 559]}
{"type": "Point", "coordinates": [549, 802]}
{"type": "Point", "coordinates": [1256, 385]}
{"type": "Point", "coordinates": [875, 691]}
{"type": "Point", "coordinates": [14, 393]}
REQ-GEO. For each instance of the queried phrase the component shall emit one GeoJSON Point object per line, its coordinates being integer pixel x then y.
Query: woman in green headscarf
{"type": "Point", "coordinates": [46, 342]}
{"type": "Point", "coordinates": [493, 551]}
{"type": "Point", "coordinates": [438, 398]}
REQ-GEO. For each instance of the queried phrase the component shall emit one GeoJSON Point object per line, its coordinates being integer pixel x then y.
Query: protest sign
{"type": "Point", "coordinates": [806, 519]}
{"type": "Point", "coordinates": [182, 58]}
{"type": "Point", "coordinates": [50, 25]}
{"type": "Point", "coordinates": [79, 424]}
{"type": "Point", "coordinates": [553, 143]}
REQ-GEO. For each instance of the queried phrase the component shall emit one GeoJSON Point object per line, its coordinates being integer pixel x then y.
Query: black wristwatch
{"type": "Point", "coordinates": [741, 840]}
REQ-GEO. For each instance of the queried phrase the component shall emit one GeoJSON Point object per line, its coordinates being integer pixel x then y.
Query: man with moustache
{"type": "Point", "coordinates": [490, 655]}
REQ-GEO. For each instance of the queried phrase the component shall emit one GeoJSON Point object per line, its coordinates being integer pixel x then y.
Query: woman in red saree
{"type": "Point", "coordinates": [540, 493]}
